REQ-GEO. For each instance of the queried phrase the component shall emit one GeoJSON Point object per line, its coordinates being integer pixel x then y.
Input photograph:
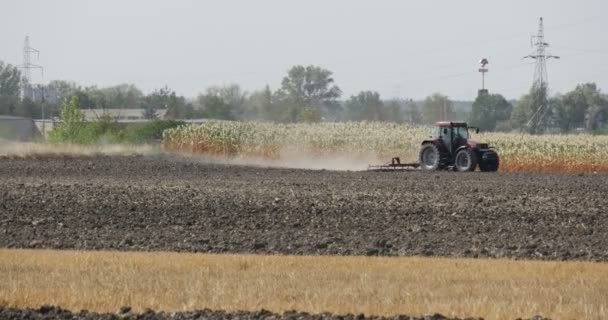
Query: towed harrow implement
{"type": "Point", "coordinates": [395, 164]}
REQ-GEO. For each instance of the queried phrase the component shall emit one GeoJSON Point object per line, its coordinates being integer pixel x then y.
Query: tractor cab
{"type": "Point", "coordinates": [453, 147]}
{"type": "Point", "coordinates": [453, 135]}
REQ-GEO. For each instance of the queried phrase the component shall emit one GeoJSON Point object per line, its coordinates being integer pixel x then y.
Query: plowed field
{"type": "Point", "coordinates": [168, 203]}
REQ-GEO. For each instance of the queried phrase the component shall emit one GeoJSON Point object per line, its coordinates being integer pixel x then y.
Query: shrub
{"type": "Point", "coordinates": [149, 132]}
{"type": "Point", "coordinates": [73, 128]}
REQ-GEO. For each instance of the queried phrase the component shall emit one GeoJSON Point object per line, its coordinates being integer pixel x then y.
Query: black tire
{"type": "Point", "coordinates": [465, 160]}
{"type": "Point", "coordinates": [490, 166]}
{"type": "Point", "coordinates": [430, 158]}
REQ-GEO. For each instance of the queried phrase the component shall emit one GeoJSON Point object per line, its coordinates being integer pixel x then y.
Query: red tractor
{"type": "Point", "coordinates": [452, 148]}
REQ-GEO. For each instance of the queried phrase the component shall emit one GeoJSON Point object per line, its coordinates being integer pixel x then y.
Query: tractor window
{"type": "Point", "coordinates": [445, 135]}
{"type": "Point", "coordinates": [461, 132]}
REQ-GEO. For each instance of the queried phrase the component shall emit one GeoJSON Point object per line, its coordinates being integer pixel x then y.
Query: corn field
{"type": "Point", "coordinates": [376, 140]}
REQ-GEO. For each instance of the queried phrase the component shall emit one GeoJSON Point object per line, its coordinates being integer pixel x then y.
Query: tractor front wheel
{"type": "Point", "coordinates": [466, 160]}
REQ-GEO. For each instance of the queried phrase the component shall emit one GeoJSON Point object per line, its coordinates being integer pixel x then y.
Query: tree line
{"type": "Point", "coordinates": [310, 94]}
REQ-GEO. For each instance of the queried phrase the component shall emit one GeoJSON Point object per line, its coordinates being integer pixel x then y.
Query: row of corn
{"type": "Point", "coordinates": [519, 152]}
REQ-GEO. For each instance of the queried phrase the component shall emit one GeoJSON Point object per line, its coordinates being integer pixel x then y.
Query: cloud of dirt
{"type": "Point", "coordinates": [287, 159]}
{"type": "Point", "coordinates": [335, 162]}
{"type": "Point", "coordinates": [28, 149]}
{"type": "Point", "coordinates": [296, 160]}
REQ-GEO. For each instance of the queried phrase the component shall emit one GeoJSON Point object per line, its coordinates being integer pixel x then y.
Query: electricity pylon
{"type": "Point", "coordinates": [541, 83]}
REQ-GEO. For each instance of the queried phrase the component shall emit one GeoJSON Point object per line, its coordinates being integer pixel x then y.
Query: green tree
{"type": "Point", "coordinates": [165, 98]}
{"type": "Point", "coordinates": [234, 98]}
{"type": "Point", "coordinates": [260, 105]}
{"type": "Point", "coordinates": [122, 96]}
{"type": "Point", "coordinates": [309, 115]}
{"type": "Point", "coordinates": [412, 112]}
{"type": "Point", "coordinates": [532, 113]}
{"type": "Point", "coordinates": [89, 99]}
{"type": "Point", "coordinates": [488, 110]}
{"type": "Point", "coordinates": [393, 110]}
{"type": "Point", "coordinates": [56, 92]}
{"type": "Point", "coordinates": [597, 117]}
{"type": "Point", "coordinates": [366, 105]}
{"type": "Point", "coordinates": [214, 107]}
{"type": "Point", "coordinates": [30, 109]}
{"type": "Point", "coordinates": [101, 98]}
{"type": "Point", "coordinates": [402, 110]}
{"type": "Point", "coordinates": [179, 108]}
{"type": "Point", "coordinates": [576, 107]}
{"type": "Point", "coordinates": [159, 99]}
{"type": "Point", "coordinates": [438, 107]}
{"type": "Point", "coordinates": [150, 112]}
{"type": "Point", "coordinates": [308, 87]}
{"type": "Point", "coordinates": [10, 87]}
{"type": "Point", "coordinates": [71, 127]}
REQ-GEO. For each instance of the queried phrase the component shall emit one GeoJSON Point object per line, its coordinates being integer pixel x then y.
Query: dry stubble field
{"type": "Point", "coordinates": [102, 281]}
{"type": "Point", "coordinates": [163, 203]}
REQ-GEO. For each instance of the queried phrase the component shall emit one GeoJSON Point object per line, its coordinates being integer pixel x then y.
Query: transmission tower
{"type": "Point", "coordinates": [27, 65]}
{"type": "Point", "coordinates": [27, 90]}
{"type": "Point", "coordinates": [541, 81]}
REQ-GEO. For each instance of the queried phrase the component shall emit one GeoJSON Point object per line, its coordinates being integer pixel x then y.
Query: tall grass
{"type": "Point", "coordinates": [375, 140]}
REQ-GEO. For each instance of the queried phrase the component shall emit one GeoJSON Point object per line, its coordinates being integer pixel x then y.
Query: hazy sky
{"type": "Point", "coordinates": [398, 48]}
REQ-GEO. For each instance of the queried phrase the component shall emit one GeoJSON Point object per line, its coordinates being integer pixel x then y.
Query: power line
{"type": "Point", "coordinates": [596, 51]}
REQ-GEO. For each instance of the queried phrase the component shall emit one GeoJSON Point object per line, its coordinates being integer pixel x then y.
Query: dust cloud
{"type": "Point", "coordinates": [32, 149]}
{"type": "Point", "coordinates": [288, 159]}
{"type": "Point", "coordinates": [291, 159]}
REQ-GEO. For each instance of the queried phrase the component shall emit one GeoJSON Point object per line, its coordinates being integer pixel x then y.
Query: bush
{"type": "Point", "coordinates": [73, 128]}
{"type": "Point", "coordinates": [105, 129]}
{"type": "Point", "coordinates": [150, 131]}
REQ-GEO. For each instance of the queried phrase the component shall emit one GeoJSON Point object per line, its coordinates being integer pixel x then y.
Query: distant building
{"type": "Point", "coordinates": [17, 128]}
{"type": "Point", "coordinates": [121, 115]}
{"type": "Point", "coordinates": [40, 93]}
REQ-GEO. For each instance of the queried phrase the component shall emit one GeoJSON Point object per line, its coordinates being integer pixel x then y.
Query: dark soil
{"type": "Point", "coordinates": [169, 203]}
{"type": "Point", "coordinates": [48, 312]}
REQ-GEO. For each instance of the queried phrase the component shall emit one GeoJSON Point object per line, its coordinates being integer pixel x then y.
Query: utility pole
{"type": "Point", "coordinates": [541, 81]}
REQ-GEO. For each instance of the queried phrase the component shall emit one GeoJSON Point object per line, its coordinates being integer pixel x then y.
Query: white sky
{"type": "Point", "coordinates": [399, 48]}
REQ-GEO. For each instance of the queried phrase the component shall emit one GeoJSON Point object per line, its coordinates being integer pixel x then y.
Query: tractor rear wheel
{"type": "Point", "coordinates": [466, 160]}
{"type": "Point", "coordinates": [431, 158]}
